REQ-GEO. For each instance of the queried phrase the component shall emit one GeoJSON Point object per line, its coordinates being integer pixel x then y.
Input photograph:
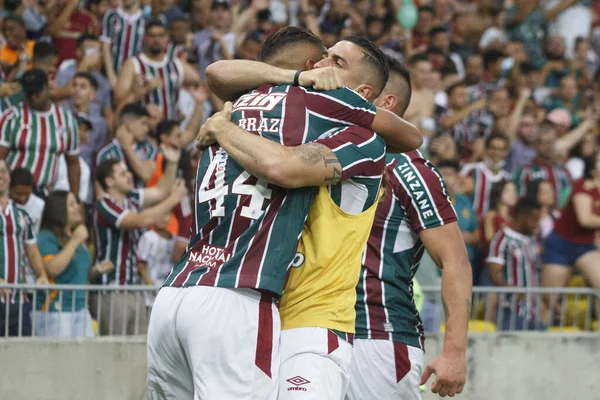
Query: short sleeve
{"type": "Point", "coordinates": [48, 244]}
{"type": "Point", "coordinates": [137, 197]}
{"type": "Point", "coordinates": [145, 246]}
{"type": "Point", "coordinates": [7, 121]}
{"type": "Point", "coordinates": [360, 152]}
{"type": "Point", "coordinates": [420, 189]}
{"type": "Point", "coordinates": [497, 253]}
{"type": "Point", "coordinates": [106, 33]}
{"type": "Point", "coordinates": [109, 212]}
{"type": "Point", "coordinates": [343, 105]}
{"type": "Point", "coordinates": [72, 136]}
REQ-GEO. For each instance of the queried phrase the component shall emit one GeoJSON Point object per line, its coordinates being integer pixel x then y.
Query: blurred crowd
{"type": "Point", "coordinates": [505, 92]}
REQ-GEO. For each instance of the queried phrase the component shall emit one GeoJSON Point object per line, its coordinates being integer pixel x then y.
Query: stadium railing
{"type": "Point", "coordinates": [509, 309]}
{"type": "Point", "coordinates": [493, 308]}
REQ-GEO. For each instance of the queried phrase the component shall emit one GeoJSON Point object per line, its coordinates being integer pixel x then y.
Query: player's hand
{"type": "Point", "coordinates": [326, 78]}
{"type": "Point", "coordinates": [199, 93]}
{"type": "Point", "coordinates": [172, 154]}
{"type": "Point", "coordinates": [80, 234]}
{"type": "Point", "coordinates": [104, 267]}
{"type": "Point", "coordinates": [9, 89]}
{"type": "Point", "coordinates": [450, 371]}
{"type": "Point", "coordinates": [208, 132]}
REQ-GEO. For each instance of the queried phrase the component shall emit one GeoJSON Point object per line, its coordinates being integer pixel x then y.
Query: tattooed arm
{"type": "Point", "coordinates": [311, 164]}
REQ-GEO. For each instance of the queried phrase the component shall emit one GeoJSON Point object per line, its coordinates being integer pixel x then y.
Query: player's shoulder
{"type": "Point", "coordinates": [412, 165]}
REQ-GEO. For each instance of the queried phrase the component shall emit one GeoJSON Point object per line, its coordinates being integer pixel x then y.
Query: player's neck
{"type": "Point", "coordinates": [156, 58]}
{"type": "Point", "coordinates": [81, 108]}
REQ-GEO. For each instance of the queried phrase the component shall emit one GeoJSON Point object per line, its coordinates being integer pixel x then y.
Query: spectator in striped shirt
{"type": "Point", "coordinates": [119, 217]}
{"type": "Point", "coordinates": [545, 167]}
{"type": "Point", "coordinates": [35, 133]}
{"type": "Point", "coordinates": [515, 261]}
{"type": "Point", "coordinates": [16, 235]}
{"type": "Point", "coordinates": [484, 174]}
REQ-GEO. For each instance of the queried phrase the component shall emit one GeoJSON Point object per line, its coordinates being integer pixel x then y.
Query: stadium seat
{"type": "Point", "coordinates": [477, 326]}
{"type": "Point", "coordinates": [565, 329]}
{"type": "Point", "coordinates": [577, 312]}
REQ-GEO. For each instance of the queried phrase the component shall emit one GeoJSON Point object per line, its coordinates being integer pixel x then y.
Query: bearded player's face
{"type": "Point", "coordinates": [348, 57]}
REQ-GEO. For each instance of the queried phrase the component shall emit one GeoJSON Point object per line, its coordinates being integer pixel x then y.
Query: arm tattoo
{"type": "Point", "coordinates": [313, 153]}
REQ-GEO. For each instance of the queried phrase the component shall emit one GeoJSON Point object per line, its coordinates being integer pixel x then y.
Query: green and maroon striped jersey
{"type": "Point", "coordinates": [520, 256]}
{"type": "Point", "coordinates": [16, 230]}
{"type": "Point", "coordinates": [35, 140]}
{"type": "Point", "coordinates": [538, 170]}
{"type": "Point", "coordinates": [246, 231]}
{"type": "Point", "coordinates": [113, 243]}
{"type": "Point", "coordinates": [170, 71]}
{"type": "Point", "coordinates": [175, 50]}
{"type": "Point", "coordinates": [415, 199]}
{"type": "Point", "coordinates": [483, 180]}
{"type": "Point", "coordinates": [125, 33]}
{"type": "Point", "coordinates": [145, 150]}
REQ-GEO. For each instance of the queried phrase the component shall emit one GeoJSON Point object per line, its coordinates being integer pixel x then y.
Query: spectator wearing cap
{"type": "Point", "coordinates": [545, 166]}
{"type": "Point", "coordinates": [132, 146]}
{"type": "Point", "coordinates": [16, 54]}
{"type": "Point", "coordinates": [128, 19]}
{"type": "Point", "coordinates": [567, 97]}
{"type": "Point", "coordinates": [84, 88]}
{"type": "Point", "coordinates": [51, 131]}
{"type": "Point", "coordinates": [152, 77]}
{"type": "Point", "coordinates": [65, 23]}
{"type": "Point", "coordinates": [88, 60]}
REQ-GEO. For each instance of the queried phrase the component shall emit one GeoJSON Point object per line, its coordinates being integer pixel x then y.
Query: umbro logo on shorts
{"type": "Point", "coordinates": [297, 381]}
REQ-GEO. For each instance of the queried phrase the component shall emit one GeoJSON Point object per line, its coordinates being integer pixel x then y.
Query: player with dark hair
{"type": "Point", "coordinates": [233, 261]}
{"type": "Point", "coordinates": [387, 361]}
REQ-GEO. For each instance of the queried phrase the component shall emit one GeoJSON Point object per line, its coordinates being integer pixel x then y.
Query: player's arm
{"type": "Point", "coordinates": [158, 193]}
{"type": "Point", "coordinates": [400, 135]}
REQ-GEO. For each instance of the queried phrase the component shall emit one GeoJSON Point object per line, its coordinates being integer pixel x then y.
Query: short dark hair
{"type": "Point", "coordinates": [14, 18]}
{"type": "Point", "coordinates": [496, 136]}
{"type": "Point", "coordinates": [90, 78]}
{"type": "Point", "coordinates": [496, 193]}
{"type": "Point", "coordinates": [492, 56]}
{"type": "Point", "coordinates": [164, 127]}
{"type": "Point", "coordinates": [375, 58]}
{"type": "Point", "coordinates": [527, 68]}
{"type": "Point", "coordinates": [85, 36]}
{"type": "Point", "coordinates": [290, 35]}
{"type": "Point", "coordinates": [54, 217]}
{"type": "Point", "coordinates": [526, 205]}
{"type": "Point", "coordinates": [106, 170]}
{"type": "Point", "coordinates": [397, 67]}
{"type": "Point", "coordinates": [154, 23]}
{"type": "Point", "coordinates": [436, 30]}
{"type": "Point", "coordinates": [43, 51]}
{"type": "Point", "coordinates": [21, 176]}
{"type": "Point", "coordinates": [426, 9]}
{"type": "Point", "coordinates": [420, 57]}
{"type": "Point", "coordinates": [133, 110]}
{"type": "Point", "coordinates": [453, 164]}
{"type": "Point", "coordinates": [454, 86]}
{"type": "Point", "coordinates": [33, 82]}
{"type": "Point", "coordinates": [589, 166]}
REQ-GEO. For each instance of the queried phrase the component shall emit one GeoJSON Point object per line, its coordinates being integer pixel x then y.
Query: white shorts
{"type": "Point", "coordinates": [383, 369]}
{"type": "Point", "coordinates": [208, 343]}
{"type": "Point", "coordinates": [314, 365]}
